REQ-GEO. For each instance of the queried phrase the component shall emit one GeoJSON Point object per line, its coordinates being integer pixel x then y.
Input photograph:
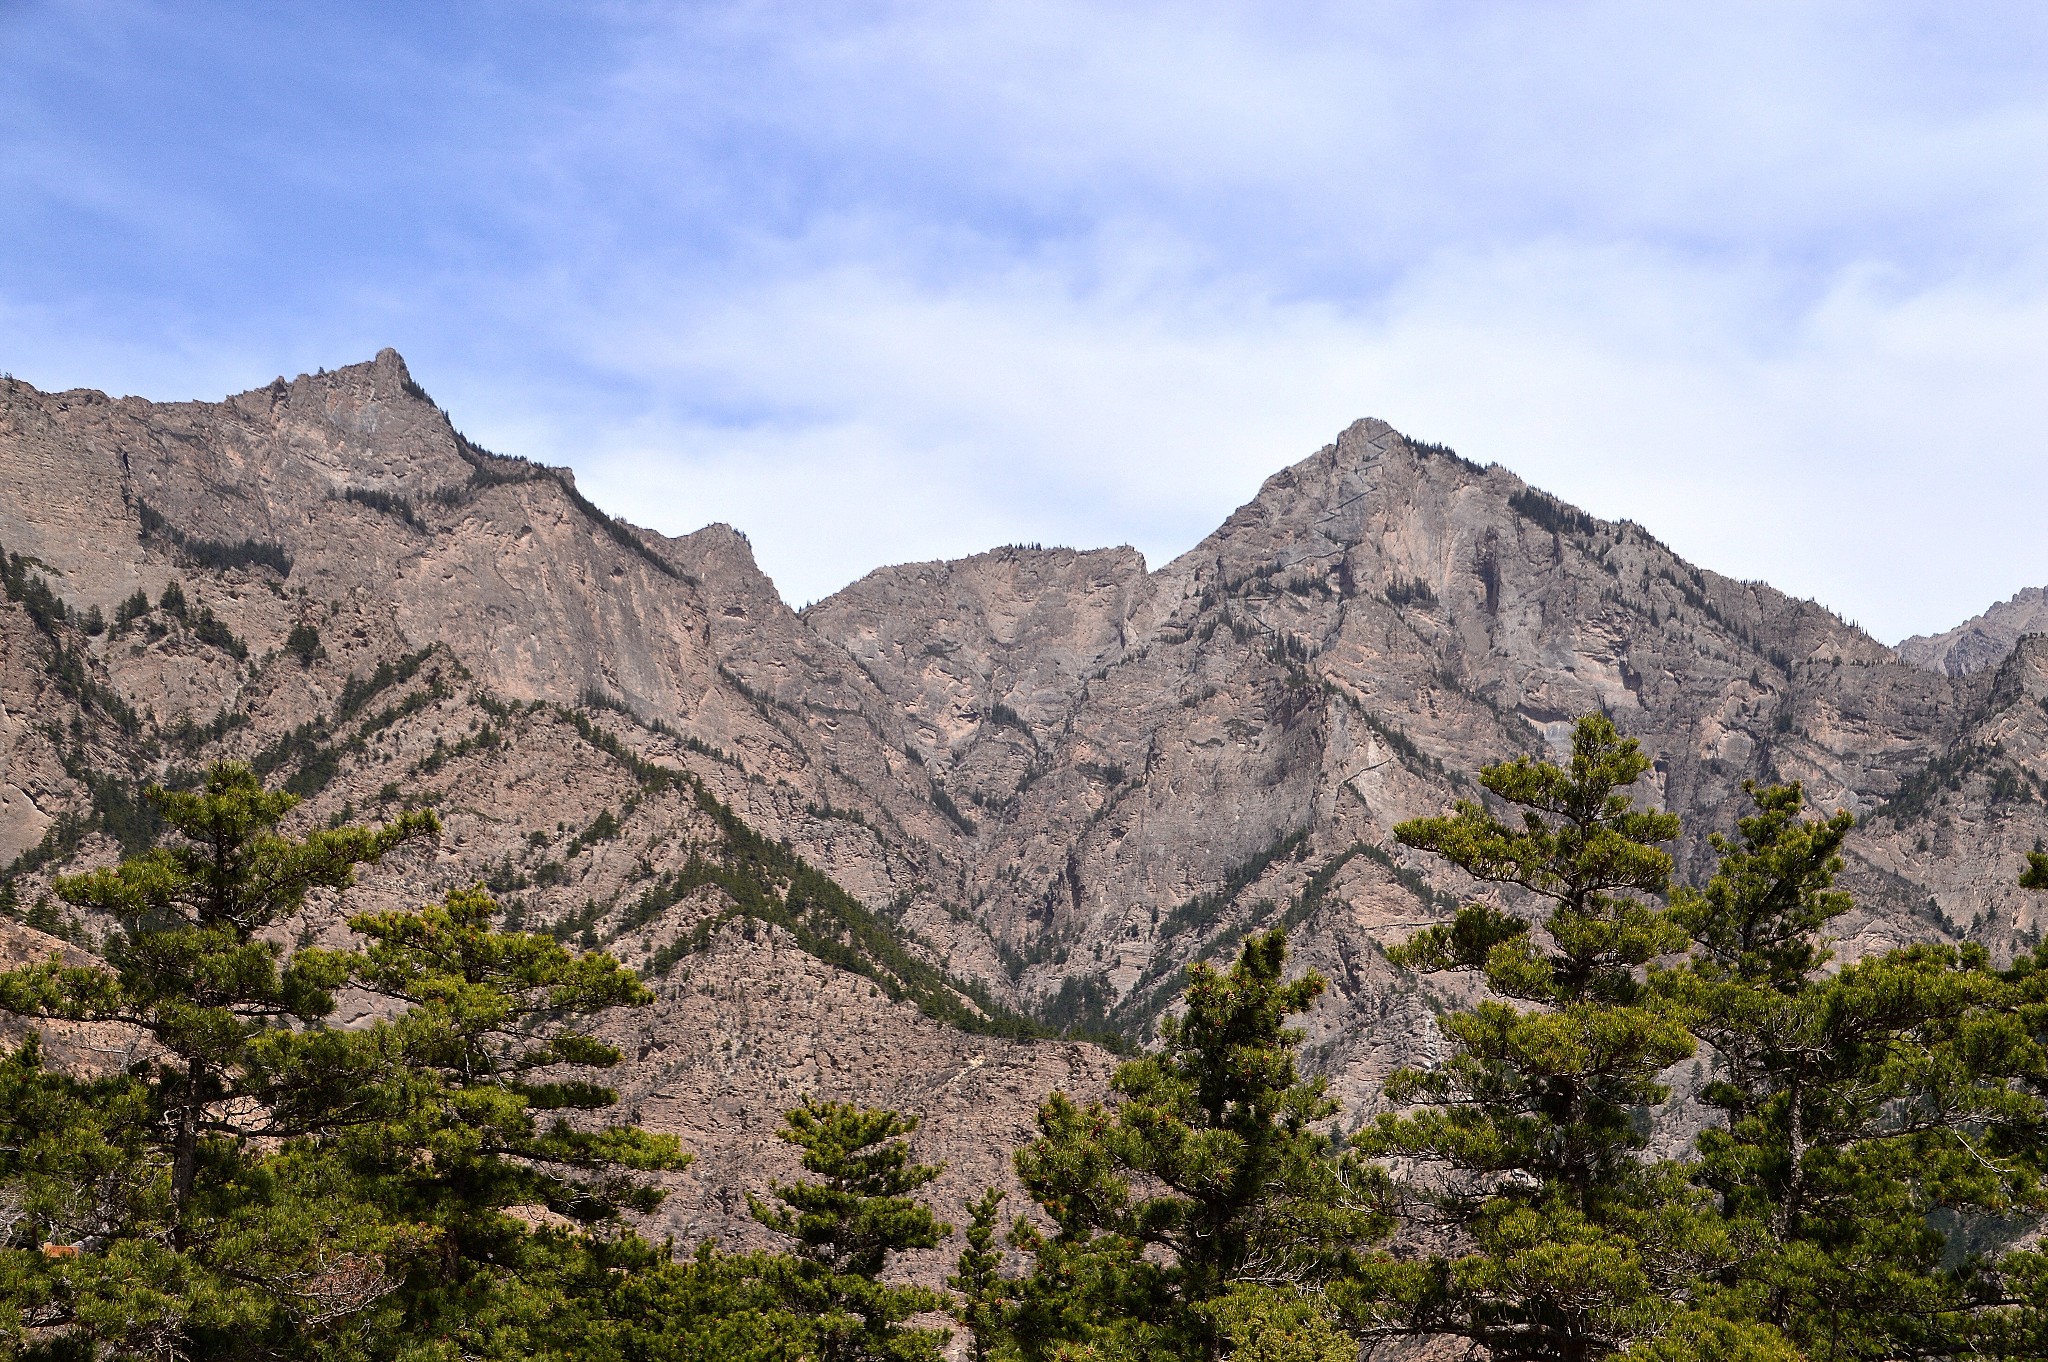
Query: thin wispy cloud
{"type": "Point", "coordinates": [891, 282]}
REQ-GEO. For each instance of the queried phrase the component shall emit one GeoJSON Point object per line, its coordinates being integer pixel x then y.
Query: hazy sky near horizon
{"type": "Point", "coordinates": [884, 282]}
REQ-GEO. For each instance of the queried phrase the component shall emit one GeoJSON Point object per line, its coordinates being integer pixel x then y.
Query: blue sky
{"type": "Point", "coordinates": [901, 281]}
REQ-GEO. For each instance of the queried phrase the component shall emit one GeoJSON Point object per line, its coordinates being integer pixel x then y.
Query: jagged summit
{"type": "Point", "coordinates": [1984, 641]}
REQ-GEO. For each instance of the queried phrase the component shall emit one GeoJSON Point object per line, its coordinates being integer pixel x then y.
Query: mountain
{"type": "Point", "coordinates": [1984, 641]}
{"type": "Point", "coordinates": [856, 847]}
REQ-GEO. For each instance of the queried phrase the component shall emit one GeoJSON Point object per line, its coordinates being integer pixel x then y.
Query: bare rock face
{"type": "Point", "coordinates": [33, 782]}
{"type": "Point", "coordinates": [1036, 778]}
{"type": "Point", "coordinates": [1019, 629]}
{"type": "Point", "coordinates": [1984, 641]}
{"type": "Point", "coordinates": [1380, 621]}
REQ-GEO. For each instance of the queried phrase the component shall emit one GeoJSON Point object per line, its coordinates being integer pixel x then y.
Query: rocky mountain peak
{"type": "Point", "coordinates": [1982, 641]}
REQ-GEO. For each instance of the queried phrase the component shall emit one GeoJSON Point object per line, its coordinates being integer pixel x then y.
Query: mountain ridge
{"type": "Point", "coordinates": [1055, 775]}
{"type": "Point", "coordinates": [1984, 640]}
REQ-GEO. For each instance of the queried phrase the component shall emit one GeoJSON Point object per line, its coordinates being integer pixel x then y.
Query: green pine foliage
{"type": "Point", "coordinates": [1212, 1174]}
{"type": "Point", "coordinates": [217, 554]}
{"type": "Point", "coordinates": [70, 667]}
{"type": "Point", "coordinates": [171, 1209]}
{"type": "Point", "coordinates": [258, 1184]}
{"type": "Point", "coordinates": [847, 1220]}
{"type": "Point", "coordinates": [709, 1307]}
{"type": "Point", "coordinates": [1881, 1130]}
{"type": "Point", "coordinates": [1569, 1242]}
{"type": "Point", "coordinates": [195, 973]}
{"type": "Point", "coordinates": [131, 609]}
{"type": "Point", "coordinates": [303, 642]}
{"type": "Point", "coordinates": [823, 1300]}
{"type": "Point", "coordinates": [981, 1295]}
{"type": "Point", "coordinates": [1877, 1137]}
{"type": "Point", "coordinates": [1862, 1109]}
{"type": "Point", "coordinates": [496, 1116]}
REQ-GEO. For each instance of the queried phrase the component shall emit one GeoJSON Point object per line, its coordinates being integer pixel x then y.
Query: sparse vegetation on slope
{"type": "Point", "coordinates": [215, 554]}
{"type": "Point", "coordinates": [764, 880]}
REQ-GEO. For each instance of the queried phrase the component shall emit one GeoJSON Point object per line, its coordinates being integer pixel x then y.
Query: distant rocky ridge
{"type": "Point", "coordinates": [1984, 641]}
{"type": "Point", "coordinates": [851, 845]}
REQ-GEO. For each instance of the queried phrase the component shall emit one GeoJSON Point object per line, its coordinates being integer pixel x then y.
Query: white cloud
{"type": "Point", "coordinates": [903, 281]}
{"type": "Point", "coordinates": [1867, 455]}
{"type": "Point", "coordinates": [1766, 281]}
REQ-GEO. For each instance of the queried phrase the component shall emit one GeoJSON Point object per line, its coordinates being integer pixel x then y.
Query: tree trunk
{"type": "Point", "coordinates": [1795, 1187]}
{"type": "Point", "coordinates": [1785, 1215]}
{"type": "Point", "coordinates": [185, 1150]}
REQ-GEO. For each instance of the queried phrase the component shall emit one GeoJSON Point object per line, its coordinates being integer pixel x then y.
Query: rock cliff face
{"type": "Point", "coordinates": [1034, 779]}
{"type": "Point", "coordinates": [1378, 622]}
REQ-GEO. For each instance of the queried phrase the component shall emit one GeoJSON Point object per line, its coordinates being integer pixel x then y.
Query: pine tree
{"type": "Point", "coordinates": [1527, 1141]}
{"type": "Point", "coordinates": [709, 1307]}
{"type": "Point", "coordinates": [170, 1224]}
{"type": "Point", "coordinates": [1863, 1109]}
{"type": "Point", "coordinates": [1206, 1195]}
{"type": "Point", "coordinates": [847, 1224]}
{"type": "Point", "coordinates": [469, 1105]}
{"type": "Point", "coordinates": [194, 972]}
{"type": "Point", "coordinates": [130, 610]}
{"type": "Point", "coordinates": [260, 1184]}
{"type": "Point", "coordinates": [1278, 1324]}
{"type": "Point", "coordinates": [42, 916]}
{"type": "Point", "coordinates": [303, 642]}
{"type": "Point", "coordinates": [981, 1304]}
